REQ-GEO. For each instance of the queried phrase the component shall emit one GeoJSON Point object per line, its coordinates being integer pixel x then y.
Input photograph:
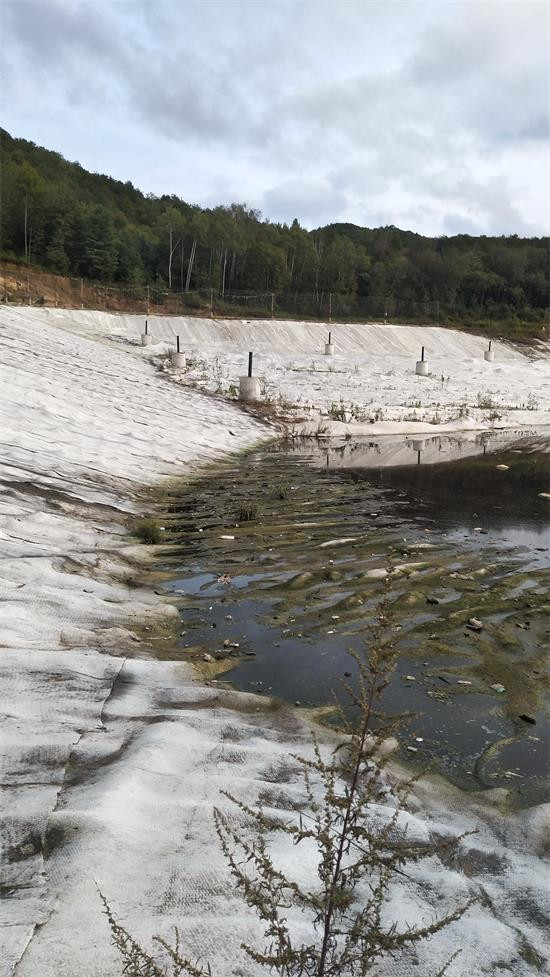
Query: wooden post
{"type": "Point", "coordinates": [177, 344]}
{"type": "Point", "coordinates": [250, 364]}
{"type": "Point", "coordinates": [422, 357]}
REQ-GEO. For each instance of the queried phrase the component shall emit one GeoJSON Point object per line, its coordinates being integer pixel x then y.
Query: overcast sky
{"type": "Point", "coordinates": [432, 116]}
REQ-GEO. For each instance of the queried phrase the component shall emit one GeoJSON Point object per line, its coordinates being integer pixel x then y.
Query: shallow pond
{"type": "Point", "coordinates": [278, 571]}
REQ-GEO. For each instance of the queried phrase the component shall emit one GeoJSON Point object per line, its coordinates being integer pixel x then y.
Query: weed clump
{"type": "Point", "coordinates": [282, 491]}
{"type": "Point", "coordinates": [485, 401]}
{"type": "Point", "coordinates": [248, 512]}
{"type": "Point", "coordinates": [337, 412]}
{"type": "Point", "coordinates": [147, 531]}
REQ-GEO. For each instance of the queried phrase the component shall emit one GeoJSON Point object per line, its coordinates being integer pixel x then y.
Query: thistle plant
{"type": "Point", "coordinates": [357, 859]}
{"type": "Point", "coordinates": [352, 822]}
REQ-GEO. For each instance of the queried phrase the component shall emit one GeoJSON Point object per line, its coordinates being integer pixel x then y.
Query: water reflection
{"type": "Point", "coordinates": [477, 481]}
{"type": "Point", "coordinates": [393, 451]}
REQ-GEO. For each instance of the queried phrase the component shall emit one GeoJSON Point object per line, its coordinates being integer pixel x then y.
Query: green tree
{"type": "Point", "coordinates": [100, 251]}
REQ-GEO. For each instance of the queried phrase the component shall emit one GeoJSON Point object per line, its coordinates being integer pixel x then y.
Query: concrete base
{"type": "Point", "coordinates": [249, 388]}
{"type": "Point", "coordinates": [146, 339]}
{"type": "Point", "coordinates": [422, 368]}
{"type": "Point", "coordinates": [418, 445]}
{"type": "Point", "coordinates": [329, 349]}
{"type": "Point", "coordinates": [178, 361]}
{"type": "Point", "coordinates": [489, 355]}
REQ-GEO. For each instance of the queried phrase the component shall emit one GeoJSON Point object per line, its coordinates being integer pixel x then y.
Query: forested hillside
{"type": "Point", "coordinates": [57, 215]}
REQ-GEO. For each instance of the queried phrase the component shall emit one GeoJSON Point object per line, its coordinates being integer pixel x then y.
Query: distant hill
{"type": "Point", "coordinates": [57, 215]}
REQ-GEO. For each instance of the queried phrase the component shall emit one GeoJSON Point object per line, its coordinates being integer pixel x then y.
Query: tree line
{"type": "Point", "coordinates": [56, 214]}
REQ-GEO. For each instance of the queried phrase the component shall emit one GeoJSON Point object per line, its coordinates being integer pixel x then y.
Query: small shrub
{"type": "Point", "coordinates": [485, 401]}
{"type": "Point", "coordinates": [282, 491]}
{"type": "Point", "coordinates": [357, 412]}
{"type": "Point", "coordinates": [378, 415]}
{"type": "Point", "coordinates": [337, 412]}
{"type": "Point", "coordinates": [147, 531]}
{"type": "Point", "coordinates": [248, 512]}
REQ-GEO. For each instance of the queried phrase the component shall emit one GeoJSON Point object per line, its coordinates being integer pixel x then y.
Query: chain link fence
{"type": "Point", "coordinates": [30, 286]}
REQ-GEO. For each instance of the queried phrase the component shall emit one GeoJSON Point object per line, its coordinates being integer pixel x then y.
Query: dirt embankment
{"type": "Point", "coordinates": [29, 285]}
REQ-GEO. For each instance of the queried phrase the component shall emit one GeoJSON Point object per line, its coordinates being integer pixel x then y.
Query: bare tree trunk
{"type": "Point", "coordinates": [26, 220]}
{"type": "Point", "coordinates": [190, 265]}
{"type": "Point", "coordinates": [172, 249]}
{"type": "Point", "coordinates": [291, 269]}
{"type": "Point", "coordinates": [223, 275]}
{"type": "Point", "coordinates": [181, 268]}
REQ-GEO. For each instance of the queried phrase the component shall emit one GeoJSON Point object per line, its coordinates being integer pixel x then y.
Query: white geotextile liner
{"type": "Point", "coordinates": [274, 335]}
{"type": "Point", "coordinates": [110, 768]}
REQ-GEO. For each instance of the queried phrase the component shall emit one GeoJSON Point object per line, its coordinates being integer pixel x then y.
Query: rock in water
{"type": "Point", "coordinates": [301, 580]}
{"type": "Point", "coordinates": [475, 624]}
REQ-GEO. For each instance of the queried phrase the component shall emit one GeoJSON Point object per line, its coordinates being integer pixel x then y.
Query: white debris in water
{"type": "Point", "coordinates": [338, 542]}
{"type": "Point", "coordinates": [111, 765]}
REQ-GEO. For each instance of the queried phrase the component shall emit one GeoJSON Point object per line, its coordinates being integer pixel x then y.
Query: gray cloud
{"type": "Point", "coordinates": [315, 204]}
{"type": "Point", "coordinates": [435, 114]}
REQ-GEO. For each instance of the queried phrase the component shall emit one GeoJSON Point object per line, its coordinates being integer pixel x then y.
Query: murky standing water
{"type": "Point", "coordinates": [278, 571]}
